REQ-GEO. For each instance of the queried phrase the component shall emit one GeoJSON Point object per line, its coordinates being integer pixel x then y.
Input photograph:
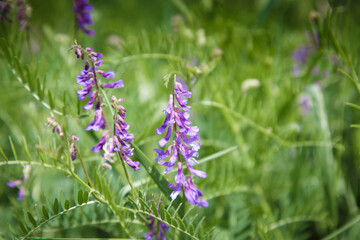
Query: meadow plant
{"type": "Point", "coordinates": [267, 172]}
{"type": "Point", "coordinates": [185, 143]}
{"type": "Point", "coordinates": [112, 142]}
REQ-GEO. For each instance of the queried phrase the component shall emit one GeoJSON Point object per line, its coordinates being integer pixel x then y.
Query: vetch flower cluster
{"type": "Point", "coordinates": [119, 142]}
{"type": "Point", "coordinates": [185, 144]}
{"type": "Point", "coordinates": [111, 142]}
{"type": "Point", "coordinates": [82, 12]}
{"type": "Point", "coordinates": [20, 183]}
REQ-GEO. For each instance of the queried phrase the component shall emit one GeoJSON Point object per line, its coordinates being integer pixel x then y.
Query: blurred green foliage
{"type": "Point", "coordinates": [284, 175]}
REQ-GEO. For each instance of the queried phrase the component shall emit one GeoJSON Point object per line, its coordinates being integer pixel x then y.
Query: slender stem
{"type": "Point", "coordinates": [83, 166]}
{"type": "Point", "coordinates": [128, 178]}
{"type": "Point", "coordinates": [80, 158]}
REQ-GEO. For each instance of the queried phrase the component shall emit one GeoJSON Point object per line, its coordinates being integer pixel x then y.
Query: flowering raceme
{"type": "Point", "coordinates": [111, 142]}
{"type": "Point", "coordinates": [185, 144]}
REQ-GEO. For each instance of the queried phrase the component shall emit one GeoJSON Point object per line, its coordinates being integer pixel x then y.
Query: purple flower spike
{"type": "Point", "coordinates": [185, 144]}
{"type": "Point", "coordinates": [82, 12]}
{"type": "Point", "coordinates": [116, 143]}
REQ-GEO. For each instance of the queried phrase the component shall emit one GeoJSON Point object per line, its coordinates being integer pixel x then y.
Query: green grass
{"type": "Point", "coordinates": [273, 173]}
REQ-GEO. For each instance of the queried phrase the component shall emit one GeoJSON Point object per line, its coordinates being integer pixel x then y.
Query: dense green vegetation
{"type": "Point", "coordinates": [280, 148]}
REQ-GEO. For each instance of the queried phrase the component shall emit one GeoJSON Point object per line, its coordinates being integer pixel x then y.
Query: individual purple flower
{"type": "Point", "coordinates": [55, 125]}
{"type": "Point", "coordinates": [99, 121]}
{"type": "Point", "coordinates": [98, 147]}
{"type": "Point", "coordinates": [20, 183]}
{"type": "Point", "coordinates": [117, 84]}
{"type": "Point", "coordinates": [73, 147]}
{"type": "Point", "coordinates": [157, 227]}
{"type": "Point", "coordinates": [82, 11]}
{"type": "Point", "coordinates": [185, 144]}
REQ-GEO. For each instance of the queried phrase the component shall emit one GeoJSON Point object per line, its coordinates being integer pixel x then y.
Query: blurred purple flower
{"type": "Point", "coordinates": [20, 183]}
{"type": "Point", "coordinates": [82, 12]}
{"type": "Point", "coordinates": [185, 144]}
{"type": "Point", "coordinates": [21, 14]}
{"type": "Point", "coordinates": [156, 227]}
{"type": "Point", "coordinates": [305, 104]}
{"type": "Point", "coordinates": [301, 54]}
{"type": "Point", "coordinates": [5, 8]}
{"type": "Point", "coordinates": [73, 147]}
{"type": "Point", "coordinates": [55, 125]}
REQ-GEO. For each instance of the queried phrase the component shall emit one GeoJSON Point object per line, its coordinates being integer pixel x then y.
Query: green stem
{"type": "Point", "coordinates": [343, 228]}
{"type": "Point", "coordinates": [128, 178]}
{"type": "Point", "coordinates": [83, 166]}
